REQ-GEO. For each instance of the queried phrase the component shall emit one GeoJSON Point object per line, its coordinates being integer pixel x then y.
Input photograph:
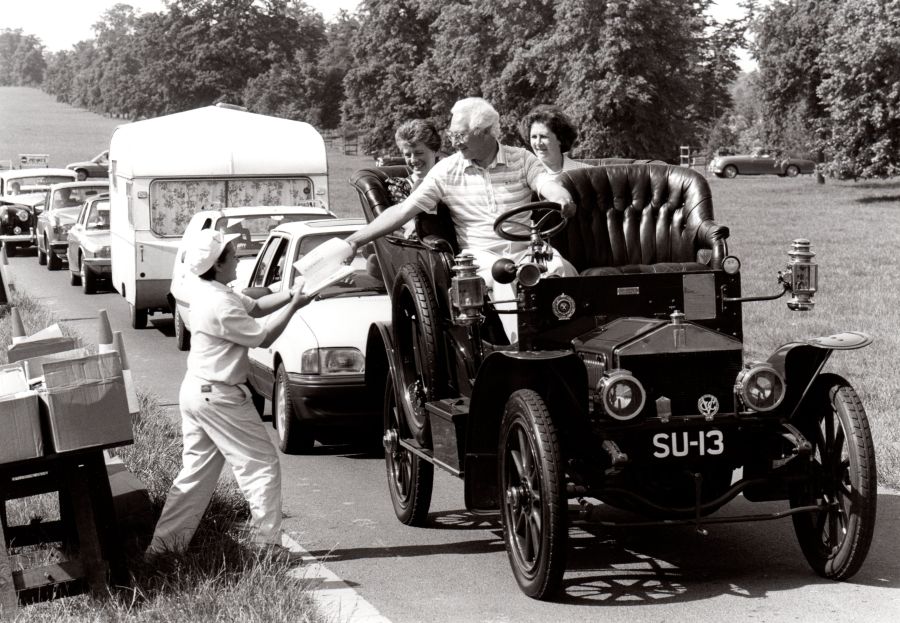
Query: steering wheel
{"type": "Point", "coordinates": [541, 215]}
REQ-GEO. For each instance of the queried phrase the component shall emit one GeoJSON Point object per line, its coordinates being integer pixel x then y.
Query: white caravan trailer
{"type": "Point", "coordinates": [165, 170]}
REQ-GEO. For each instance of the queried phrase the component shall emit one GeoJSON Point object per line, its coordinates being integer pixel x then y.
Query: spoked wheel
{"type": "Point", "coordinates": [415, 328]}
{"type": "Point", "coordinates": [293, 436]}
{"type": "Point", "coordinates": [410, 477]}
{"type": "Point", "coordinates": [531, 490]}
{"type": "Point", "coordinates": [835, 540]}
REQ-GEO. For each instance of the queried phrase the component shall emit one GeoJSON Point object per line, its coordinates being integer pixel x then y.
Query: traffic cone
{"type": "Point", "coordinates": [119, 346]}
{"type": "Point", "coordinates": [18, 329]}
{"type": "Point", "coordinates": [104, 334]}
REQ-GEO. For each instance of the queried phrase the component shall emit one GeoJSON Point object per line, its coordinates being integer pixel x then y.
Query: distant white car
{"type": "Point", "coordinates": [254, 224]}
{"type": "Point", "coordinates": [314, 373]}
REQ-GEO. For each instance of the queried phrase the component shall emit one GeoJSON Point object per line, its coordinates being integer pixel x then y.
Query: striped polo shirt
{"type": "Point", "coordinates": [476, 195]}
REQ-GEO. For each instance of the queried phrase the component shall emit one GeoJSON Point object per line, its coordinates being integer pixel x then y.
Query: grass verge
{"type": "Point", "coordinates": [218, 579]}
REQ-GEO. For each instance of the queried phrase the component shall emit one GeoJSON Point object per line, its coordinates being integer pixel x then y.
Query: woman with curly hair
{"type": "Point", "coordinates": [551, 134]}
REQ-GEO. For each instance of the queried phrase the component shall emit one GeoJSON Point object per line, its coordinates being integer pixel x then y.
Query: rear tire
{"type": "Point", "coordinates": [182, 335]}
{"type": "Point", "coordinates": [138, 317]}
{"type": "Point", "coordinates": [730, 172]}
{"type": "Point", "coordinates": [293, 436]}
{"type": "Point", "coordinates": [836, 540]}
{"type": "Point", "coordinates": [415, 331]}
{"type": "Point", "coordinates": [792, 171]}
{"type": "Point", "coordinates": [81, 175]}
{"type": "Point", "coordinates": [410, 477]}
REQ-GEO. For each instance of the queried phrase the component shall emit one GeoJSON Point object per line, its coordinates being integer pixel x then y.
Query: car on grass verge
{"type": "Point", "coordinates": [61, 207]}
{"type": "Point", "coordinates": [629, 386]}
{"type": "Point", "coordinates": [314, 373]}
{"type": "Point", "coordinates": [254, 224]}
{"type": "Point", "coordinates": [760, 163]}
{"type": "Point", "coordinates": [98, 166]}
{"type": "Point", "coordinates": [88, 240]}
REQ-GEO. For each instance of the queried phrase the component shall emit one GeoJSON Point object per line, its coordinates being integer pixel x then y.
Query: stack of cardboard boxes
{"type": "Point", "coordinates": [55, 397]}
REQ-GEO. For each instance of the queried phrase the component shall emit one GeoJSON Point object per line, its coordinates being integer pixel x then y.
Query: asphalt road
{"type": "Point", "coordinates": [338, 508]}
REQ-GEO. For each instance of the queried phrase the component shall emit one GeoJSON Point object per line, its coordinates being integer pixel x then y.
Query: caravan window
{"type": "Point", "coordinates": [174, 202]}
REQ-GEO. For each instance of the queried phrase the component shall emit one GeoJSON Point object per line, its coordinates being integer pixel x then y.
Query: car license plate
{"type": "Point", "coordinates": [683, 443]}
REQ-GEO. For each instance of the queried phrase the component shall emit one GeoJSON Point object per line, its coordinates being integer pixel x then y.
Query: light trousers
{"type": "Point", "coordinates": [219, 424]}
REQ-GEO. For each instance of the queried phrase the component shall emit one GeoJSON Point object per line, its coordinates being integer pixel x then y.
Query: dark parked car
{"type": "Point", "coordinates": [628, 387]}
{"type": "Point", "coordinates": [98, 166]}
{"type": "Point", "coordinates": [18, 220]}
{"type": "Point", "coordinates": [761, 163]}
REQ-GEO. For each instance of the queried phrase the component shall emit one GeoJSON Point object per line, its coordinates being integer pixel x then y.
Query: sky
{"type": "Point", "coordinates": [62, 23]}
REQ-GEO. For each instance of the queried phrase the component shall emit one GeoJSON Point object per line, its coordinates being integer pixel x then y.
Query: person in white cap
{"type": "Point", "coordinates": [219, 422]}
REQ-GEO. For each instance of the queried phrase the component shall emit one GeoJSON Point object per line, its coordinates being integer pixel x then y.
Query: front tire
{"type": "Point", "coordinates": [74, 278]}
{"type": "Point", "coordinates": [730, 171]}
{"type": "Point", "coordinates": [88, 279]}
{"type": "Point", "coordinates": [293, 436]}
{"type": "Point", "coordinates": [836, 540]}
{"type": "Point", "coordinates": [533, 508]}
{"type": "Point", "coordinates": [10, 248]}
{"type": "Point", "coordinates": [182, 335]}
{"type": "Point", "coordinates": [53, 261]}
{"type": "Point", "coordinates": [41, 255]}
{"type": "Point", "coordinates": [410, 477]}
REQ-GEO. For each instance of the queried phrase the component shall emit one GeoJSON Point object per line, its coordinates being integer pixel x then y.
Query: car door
{"type": "Point", "coordinates": [75, 235]}
{"type": "Point", "coordinates": [268, 273]}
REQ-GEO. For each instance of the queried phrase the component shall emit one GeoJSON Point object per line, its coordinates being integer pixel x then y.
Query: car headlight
{"type": "Point", "coordinates": [332, 361]}
{"type": "Point", "coordinates": [620, 395]}
{"type": "Point", "coordinates": [760, 387]}
{"type": "Point", "coordinates": [23, 215]}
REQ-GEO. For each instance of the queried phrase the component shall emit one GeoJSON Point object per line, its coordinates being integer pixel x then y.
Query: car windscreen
{"type": "Point", "coordinates": [174, 201]}
{"type": "Point", "coordinates": [98, 217]}
{"type": "Point", "coordinates": [255, 229]}
{"type": "Point", "coordinates": [33, 183]}
{"type": "Point", "coordinates": [359, 283]}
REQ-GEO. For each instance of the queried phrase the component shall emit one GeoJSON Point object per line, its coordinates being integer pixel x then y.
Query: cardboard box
{"type": "Point", "coordinates": [21, 425]}
{"type": "Point", "coordinates": [12, 379]}
{"type": "Point", "coordinates": [34, 367]}
{"type": "Point", "coordinates": [86, 405]}
{"type": "Point", "coordinates": [36, 348]}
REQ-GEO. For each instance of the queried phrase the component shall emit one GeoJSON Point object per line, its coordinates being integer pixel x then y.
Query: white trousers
{"type": "Point", "coordinates": [507, 291]}
{"type": "Point", "coordinates": [219, 424]}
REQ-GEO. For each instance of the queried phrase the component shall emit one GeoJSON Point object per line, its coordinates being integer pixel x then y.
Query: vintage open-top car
{"type": "Point", "coordinates": [628, 385]}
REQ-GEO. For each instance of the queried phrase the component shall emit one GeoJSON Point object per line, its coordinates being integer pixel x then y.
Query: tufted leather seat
{"type": "Point", "coordinates": [641, 218]}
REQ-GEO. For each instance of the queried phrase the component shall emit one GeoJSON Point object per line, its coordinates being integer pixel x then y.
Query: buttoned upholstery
{"type": "Point", "coordinates": [639, 218]}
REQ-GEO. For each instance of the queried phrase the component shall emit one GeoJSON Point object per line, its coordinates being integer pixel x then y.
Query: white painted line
{"type": "Point", "coordinates": [336, 600]}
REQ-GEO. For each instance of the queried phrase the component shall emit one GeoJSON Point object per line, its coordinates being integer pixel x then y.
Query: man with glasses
{"type": "Point", "coordinates": [478, 183]}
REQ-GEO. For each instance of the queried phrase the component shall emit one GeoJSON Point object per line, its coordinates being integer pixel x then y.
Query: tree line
{"type": "Point", "coordinates": [638, 77]}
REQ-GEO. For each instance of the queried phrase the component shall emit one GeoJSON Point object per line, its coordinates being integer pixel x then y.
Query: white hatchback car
{"type": "Point", "coordinates": [254, 224]}
{"type": "Point", "coordinates": [314, 373]}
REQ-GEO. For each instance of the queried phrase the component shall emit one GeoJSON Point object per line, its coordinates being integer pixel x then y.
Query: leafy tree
{"type": "Point", "coordinates": [860, 89]}
{"type": "Point", "coordinates": [21, 59]}
{"type": "Point", "coordinates": [334, 63]}
{"type": "Point", "coordinates": [390, 45]}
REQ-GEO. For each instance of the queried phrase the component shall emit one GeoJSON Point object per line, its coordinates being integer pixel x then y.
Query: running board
{"type": "Point", "coordinates": [428, 455]}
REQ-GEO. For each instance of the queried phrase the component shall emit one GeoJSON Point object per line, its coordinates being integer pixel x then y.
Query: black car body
{"type": "Point", "coordinates": [628, 384]}
{"type": "Point", "coordinates": [18, 220]}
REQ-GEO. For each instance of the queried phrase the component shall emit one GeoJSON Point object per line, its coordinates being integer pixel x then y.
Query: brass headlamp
{"type": "Point", "coordinates": [801, 276]}
{"type": "Point", "coordinates": [466, 291]}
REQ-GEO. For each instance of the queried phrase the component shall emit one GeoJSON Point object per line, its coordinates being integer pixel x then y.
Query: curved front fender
{"type": "Point", "coordinates": [561, 380]}
{"type": "Point", "coordinates": [801, 362]}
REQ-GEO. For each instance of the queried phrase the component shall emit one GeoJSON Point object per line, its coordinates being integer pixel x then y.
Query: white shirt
{"type": "Point", "coordinates": [221, 333]}
{"type": "Point", "coordinates": [476, 195]}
